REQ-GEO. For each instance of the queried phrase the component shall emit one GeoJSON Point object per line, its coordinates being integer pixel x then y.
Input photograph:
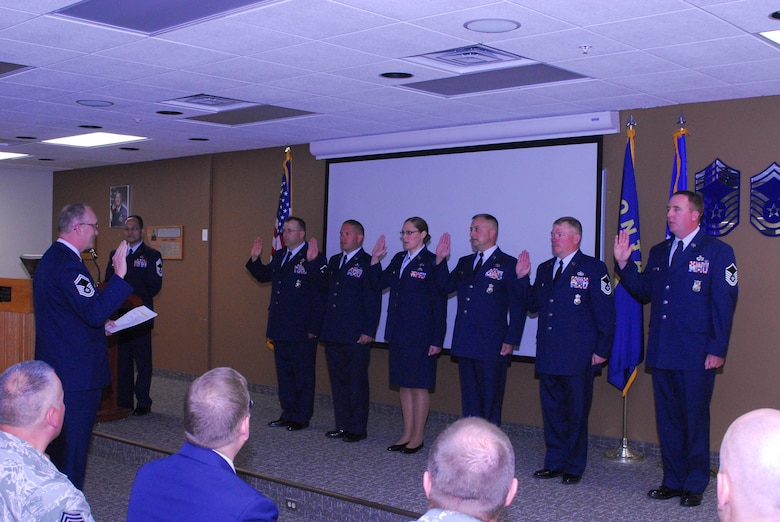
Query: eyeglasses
{"type": "Point", "coordinates": [93, 225]}
{"type": "Point", "coordinates": [409, 232]}
{"type": "Point", "coordinates": [558, 235]}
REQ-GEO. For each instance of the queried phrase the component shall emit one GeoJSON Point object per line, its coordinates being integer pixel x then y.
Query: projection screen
{"type": "Point", "coordinates": [526, 186]}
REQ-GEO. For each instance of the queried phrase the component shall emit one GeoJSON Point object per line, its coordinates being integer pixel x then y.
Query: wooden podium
{"type": "Point", "coordinates": [109, 410]}
{"type": "Point", "coordinates": [17, 322]}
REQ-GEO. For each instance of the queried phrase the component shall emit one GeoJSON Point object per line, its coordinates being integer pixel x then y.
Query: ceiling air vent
{"type": "Point", "coordinates": [470, 59]}
{"type": "Point", "coordinates": [208, 102]}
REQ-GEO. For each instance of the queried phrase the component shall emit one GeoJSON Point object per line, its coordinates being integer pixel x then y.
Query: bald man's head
{"type": "Point", "coordinates": [749, 475]}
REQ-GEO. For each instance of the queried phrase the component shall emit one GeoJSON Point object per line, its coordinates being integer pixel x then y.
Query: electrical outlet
{"type": "Point", "coordinates": [291, 504]}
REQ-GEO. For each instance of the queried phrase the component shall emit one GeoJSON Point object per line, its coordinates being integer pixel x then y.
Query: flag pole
{"type": "Point", "coordinates": [623, 453]}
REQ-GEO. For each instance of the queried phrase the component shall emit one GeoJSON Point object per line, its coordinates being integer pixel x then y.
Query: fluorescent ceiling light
{"type": "Point", "coordinates": [773, 36]}
{"type": "Point", "coordinates": [11, 155]}
{"type": "Point", "coordinates": [94, 139]}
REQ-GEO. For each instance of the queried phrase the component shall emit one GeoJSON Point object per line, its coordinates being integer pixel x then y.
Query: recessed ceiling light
{"type": "Point", "coordinates": [396, 75]}
{"type": "Point", "coordinates": [170, 113]}
{"type": "Point", "coordinates": [26, 138]}
{"type": "Point", "coordinates": [90, 127]}
{"type": "Point", "coordinates": [11, 155]}
{"type": "Point", "coordinates": [491, 25]}
{"type": "Point", "coordinates": [775, 15]}
{"type": "Point", "coordinates": [129, 148]}
{"type": "Point", "coordinates": [46, 159]}
{"type": "Point", "coordinates": [198, 139]}
{"type": "Point", "coordinates": [94, 139]}
{"type": "Point", "coordinates": [95, 103]}
{"type": "Point", "coordinates": [772, 36]}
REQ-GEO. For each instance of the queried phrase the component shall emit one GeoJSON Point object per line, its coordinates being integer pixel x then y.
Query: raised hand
{"type": "Point", "coordinates": [257, 248]}
{"type": "Point", "coordinates": [379, 250]}
{"type": "Point", "coordinates": [313, 250]}
{"type": "Point", "coordinates": [443, 248]}
{"type": "Point", "coordinates": [622, 249]}
{"type": "Point", "coordinates": [523, 266]}
{"type": "Point", "coordinates": [119, 260]}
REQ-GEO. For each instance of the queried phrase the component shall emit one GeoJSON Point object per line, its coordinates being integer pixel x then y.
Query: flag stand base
{"type": "Point", "coordinates": [624, 454]}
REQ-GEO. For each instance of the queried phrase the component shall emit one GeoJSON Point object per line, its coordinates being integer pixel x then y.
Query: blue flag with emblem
{"type": "Point", "coordinates": [680, 166]}
{"type": "Point", "coordinates": [628, 346]}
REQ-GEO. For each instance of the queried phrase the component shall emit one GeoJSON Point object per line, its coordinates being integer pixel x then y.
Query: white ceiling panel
{"type": "Point", "coordinates": [326, 57]}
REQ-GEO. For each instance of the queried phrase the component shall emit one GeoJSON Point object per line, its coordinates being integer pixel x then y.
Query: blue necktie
{"type": "Point", "coordinates": [677, 252]}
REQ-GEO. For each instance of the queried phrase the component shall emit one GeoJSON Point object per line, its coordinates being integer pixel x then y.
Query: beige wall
{"type": "Point", "coordinates": [213, 313]}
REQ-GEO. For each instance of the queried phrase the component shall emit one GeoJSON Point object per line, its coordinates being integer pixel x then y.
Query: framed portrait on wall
{"type": "Point", "coordinates": [119, 205]}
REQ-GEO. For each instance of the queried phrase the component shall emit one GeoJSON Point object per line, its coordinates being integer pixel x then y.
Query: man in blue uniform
{"type": "Point", "coordinates": [351, 320]}
{"type": "Point", "coordinates": [298, 291]}
{"type": "Point", "coordinates": [200, 482]}
{"type": "Point", "coordinates": [144, 272]}
{"type": "Point", "coordinates": [70, 317]}
{"type": "Point", "coordinates": [484, 339]}
{"type": "Point", "coordinates": [572, 294]}
{"type": "Point", "coordinates": [691, 279]}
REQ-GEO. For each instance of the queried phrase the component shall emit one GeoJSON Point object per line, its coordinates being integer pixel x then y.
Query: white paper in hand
{"type": "Point", "coordinates": [134, 317]}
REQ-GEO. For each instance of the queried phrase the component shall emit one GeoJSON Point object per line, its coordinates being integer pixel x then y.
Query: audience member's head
{"type": "Point", "coordinates": [471, 470]}
{"type": "Point", "coordinates": [31, 406]}
{"type": "Point", "coordinates": [216, 411]}
{"type": "Point", "coordinates": [749, 475]}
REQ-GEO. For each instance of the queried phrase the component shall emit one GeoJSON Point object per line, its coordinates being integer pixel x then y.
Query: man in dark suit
{"type": "Point", "coordinates": [144, 272]}
{"type": "Point", "coordinates": [483, 339]}
{"type": "Point", "coordinates": [199, 483]}
{"type": "Point", "coordinates": [298, 292]}
{"type": "Point", "coordinates": [349, 327]}
{"type": "Point", "coordinates": [691, 279]}
{"type": "Point", "coordinates": [70, 318]}
{"type": "Point", "coordinates": [572, 294]}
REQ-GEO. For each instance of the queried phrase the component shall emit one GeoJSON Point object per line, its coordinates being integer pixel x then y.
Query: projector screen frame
{"type": "Point", "coordinates": [594, 248]}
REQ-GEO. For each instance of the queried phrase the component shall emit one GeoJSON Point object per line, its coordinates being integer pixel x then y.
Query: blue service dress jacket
{"type": "Point", "coordinates": [298, 292]}
{"type": "Point", "coordinates": [484, 298]}
{"type": "Point", "coordinates": [70, 316]}
{"type": "Point", "coordinates": [196, 484]}
{"type": "Point", "coordinates": [693, 301]}
{"type": "Point", "coordinates": [417, 310]}
{"type": "Point", "coordinates": [576, 315]}
{"type": "Point", "coordinates": [144, 273]}
{"type": "Point", "coordinates": [353, 306]}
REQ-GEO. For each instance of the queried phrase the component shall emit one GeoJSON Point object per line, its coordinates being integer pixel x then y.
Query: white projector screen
{"type": "Point", "coordinates": [526, 186]}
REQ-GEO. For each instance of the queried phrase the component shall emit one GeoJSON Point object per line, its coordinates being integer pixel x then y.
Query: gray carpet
{"type": "Point", "coordinates": [609, 491]}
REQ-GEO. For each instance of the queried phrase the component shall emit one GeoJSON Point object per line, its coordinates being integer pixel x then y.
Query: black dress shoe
{"type": "Point", "coordinates": [690, 499]}
{"type": "Point", "coordinates": [545, 473]}
{"type": "Point", "coordinates": [279, 423]}
{"type": "Point", "coordinates": [664, 493]}
{"type": "Point", "coordinates": [335, 434]}
{"type": "Point", "coordinates": [411, 451]}
{"type": "Point", "coordinates": [397, 447]}
{"type": "Point", "coordinates": [296, 426]}
{"type": "Point", "coordinates": [138, 412]}
{"type": "Point", "coordinates": [568, 478]}
{"type": "Point", "coordinates": [353, 437]}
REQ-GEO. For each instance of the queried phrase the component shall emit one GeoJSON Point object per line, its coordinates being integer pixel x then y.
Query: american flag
{"type": "Point", "coordinates": [285, 202]}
